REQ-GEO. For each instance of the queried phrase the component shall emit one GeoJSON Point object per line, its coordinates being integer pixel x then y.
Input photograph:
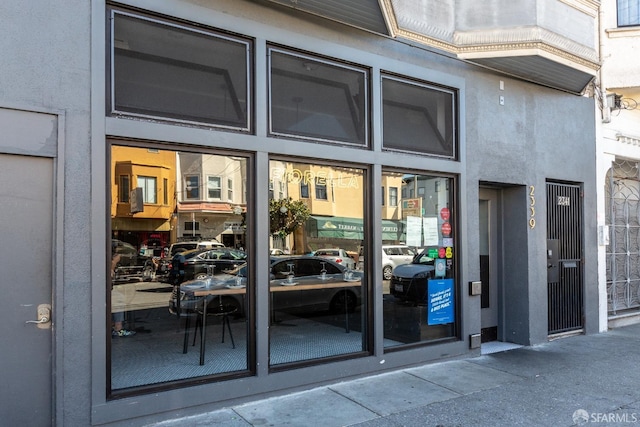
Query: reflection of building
{"type": "Point", "coordinates": [430, 192]}
{"type": "Point", "coordinates": [211, 196]}
{"type": "Point", "coordinates": [334, 197]}
{"type": "Point", "coordinates": [143, 187]}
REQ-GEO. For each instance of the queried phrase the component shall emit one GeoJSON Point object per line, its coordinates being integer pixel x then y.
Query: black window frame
{"type": "Point", "coordinates": [313, 59]}
{"type": "Point", "coordinates": [424, 86]}
{"type": "Point", "coordinates": [249, 113]}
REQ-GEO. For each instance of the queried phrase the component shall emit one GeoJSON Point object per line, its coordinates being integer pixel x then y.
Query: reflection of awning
{"type": "Point", "coordinates": [391, 230]}
{"type": "Point", "coordinates": [337, 227]}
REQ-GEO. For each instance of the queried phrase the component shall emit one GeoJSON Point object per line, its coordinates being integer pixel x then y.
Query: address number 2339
{"type": "Point", "coordinates": [532, 206]}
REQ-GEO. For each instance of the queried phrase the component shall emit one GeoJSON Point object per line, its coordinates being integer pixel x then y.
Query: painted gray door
{"type": "Point", "coordinates": [489, 258]}
{"type": "Point", "coordinates": [26, 209]}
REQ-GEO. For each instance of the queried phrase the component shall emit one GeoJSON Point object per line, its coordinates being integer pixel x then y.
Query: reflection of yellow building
{"type": "Point", "coordinates": [391, 192]}
{"type": "Point", "coordinates": [335, 198]}
{"type": "Point", "coordinates": [330, 191]}
{"type": "Point", "coordinates": [149, 175]}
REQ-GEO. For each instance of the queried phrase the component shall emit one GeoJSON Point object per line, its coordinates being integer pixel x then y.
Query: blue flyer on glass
{"type": "Point", "coordinates": [440, 303]}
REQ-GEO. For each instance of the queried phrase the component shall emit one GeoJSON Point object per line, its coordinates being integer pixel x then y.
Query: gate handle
{"type": "Point", "coordinates": [43, 319]}
{"type": "Point", "coordinates": [44, 315]}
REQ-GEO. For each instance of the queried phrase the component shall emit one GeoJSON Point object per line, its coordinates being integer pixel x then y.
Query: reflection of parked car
{"type": "Point", "coordinates": [195, 264]}
{"type": "Point", "coordinates": [187, 246]}
{"type": "Point", "coordinates": [338, 255]}
{"type": "Point", "coordinates": [409, 282]}
{"type": "Point", "coordinates": [306, 270]}
{"type": "Point", "coordinates": [392, 256]}
{"type": "Point", "coordinates": [131, 265]}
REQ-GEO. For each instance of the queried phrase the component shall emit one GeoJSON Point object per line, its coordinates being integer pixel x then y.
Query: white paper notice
{"type": "Point", "coordinates": [414, 230]}
{"type": "Point", "coordinates": [430, 228]}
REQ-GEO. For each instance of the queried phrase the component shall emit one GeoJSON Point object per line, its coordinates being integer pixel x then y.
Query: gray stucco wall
{"type": "Point", "coordinates": [45, 66]}
{"type": "Point", "coordinates": [538, 134]}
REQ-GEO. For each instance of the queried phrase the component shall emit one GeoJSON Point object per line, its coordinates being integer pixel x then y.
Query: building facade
{"type": "Point", "coordinates": [463, 134]}
{"type": "Point", "coordinates": [618, 119]}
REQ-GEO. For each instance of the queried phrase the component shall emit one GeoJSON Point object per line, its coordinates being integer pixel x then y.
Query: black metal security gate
{"type": "Point", "coordinates": [565, 288]}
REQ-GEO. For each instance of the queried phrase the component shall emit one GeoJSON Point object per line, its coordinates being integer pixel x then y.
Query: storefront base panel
{"type": "Point", "coordinates": [202, 398]}
{"type": "Point", "coordinates": [410, 324]}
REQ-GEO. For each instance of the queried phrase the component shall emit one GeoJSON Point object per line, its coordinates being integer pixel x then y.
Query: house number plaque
{"type": "Point", "coordinates": [532, 206]}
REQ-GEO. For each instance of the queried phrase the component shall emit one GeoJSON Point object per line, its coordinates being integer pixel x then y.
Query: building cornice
{"type": "Point", "coordinates": [628, 139]}
{"type": "Point", "coordinates": [590, 7]}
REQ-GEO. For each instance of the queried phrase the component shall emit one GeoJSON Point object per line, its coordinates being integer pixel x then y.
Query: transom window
{"type": "Point", "coordinates": [178, 73]}
{"type": "Point", "coordinates": [317, 99]}
{"type": "Point", "coordinates": [417, 117]}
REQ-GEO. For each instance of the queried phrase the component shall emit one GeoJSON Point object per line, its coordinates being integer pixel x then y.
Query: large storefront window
{"type": "Point", "coordinates": [317, 290]}
{"type": "Point", "coordinates": [419, 261]}
{"type": "Point", "coordinates": [178, 285]}
{"type": "Point", "coordinates": [180, 73]}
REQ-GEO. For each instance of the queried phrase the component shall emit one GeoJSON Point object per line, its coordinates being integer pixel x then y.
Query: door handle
{"type": "Point", "coordinates": [44, 317]}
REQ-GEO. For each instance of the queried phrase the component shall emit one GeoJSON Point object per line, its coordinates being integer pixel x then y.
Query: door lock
{"type": "Point", "coordinates": [44, 317]}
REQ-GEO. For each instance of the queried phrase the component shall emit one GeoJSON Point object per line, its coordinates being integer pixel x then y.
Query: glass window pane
{"type": "Point", "coordinates": [418, 118]}
{"type": "Point", "coordinates": [214, 190]}
{"type": "Point", "coordinates": [148, 185]}
{"type": "Point", "coordinates": [628, 12]}
{"type": "Point", "coordinates": [192, 187]}
{"type": "Point", "coordinates": [124, 189]}
{"type": "Point", "coordinates": [323, 296]}
{"type": "Point", "coordinates": [317, 99]}
{"type": "Point", "coordinates": [178, 73]}
{"type": "Point", "coordinates": [155, 299]}
{"type": "Point", "coordinates": [418, 262]}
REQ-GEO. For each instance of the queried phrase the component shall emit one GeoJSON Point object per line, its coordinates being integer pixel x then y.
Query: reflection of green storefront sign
{"type": "Point", "coordinates": [347, 228]}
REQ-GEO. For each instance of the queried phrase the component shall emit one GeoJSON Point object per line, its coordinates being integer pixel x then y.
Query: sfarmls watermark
{"type": "Point", "coordinates": [581, 417]}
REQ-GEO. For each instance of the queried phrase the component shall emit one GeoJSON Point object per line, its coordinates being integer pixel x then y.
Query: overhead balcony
{"type": "Point", "coordinates": [548, 42]}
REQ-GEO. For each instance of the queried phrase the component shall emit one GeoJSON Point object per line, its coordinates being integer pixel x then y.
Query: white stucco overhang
{"type": "Point", "coordinates": [527, 52]}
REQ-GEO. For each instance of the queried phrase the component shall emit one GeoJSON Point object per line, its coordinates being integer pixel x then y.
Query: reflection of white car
{"type": "Point", "coordinates": [392, 256]}
{"type": "Point", "coordinates": [276, 252]}
{"type": "Point", "coordinates": [340, 256]}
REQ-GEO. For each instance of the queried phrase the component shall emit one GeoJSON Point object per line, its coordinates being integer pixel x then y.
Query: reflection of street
{"type": "Point", "coordinates": [140, 296]}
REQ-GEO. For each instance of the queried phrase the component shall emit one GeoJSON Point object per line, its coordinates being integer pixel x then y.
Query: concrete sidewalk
{"type": "Point", "coordinates": [577, 380]}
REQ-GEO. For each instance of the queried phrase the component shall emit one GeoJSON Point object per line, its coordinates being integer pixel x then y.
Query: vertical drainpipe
{"type": "Point", "coordinates": [606, 111]}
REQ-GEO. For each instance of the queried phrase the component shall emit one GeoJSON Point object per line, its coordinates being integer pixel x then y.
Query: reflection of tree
{"type": "Point", "coordinates": [286, 215]}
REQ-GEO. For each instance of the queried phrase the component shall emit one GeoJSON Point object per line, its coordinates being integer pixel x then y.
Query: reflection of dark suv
{"type": "Point", "coordinates": [409, 282]}
{"type": "Point", "coordinates": [131, 265]}
{"type": "Point", "coordinates": [195, 264]}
